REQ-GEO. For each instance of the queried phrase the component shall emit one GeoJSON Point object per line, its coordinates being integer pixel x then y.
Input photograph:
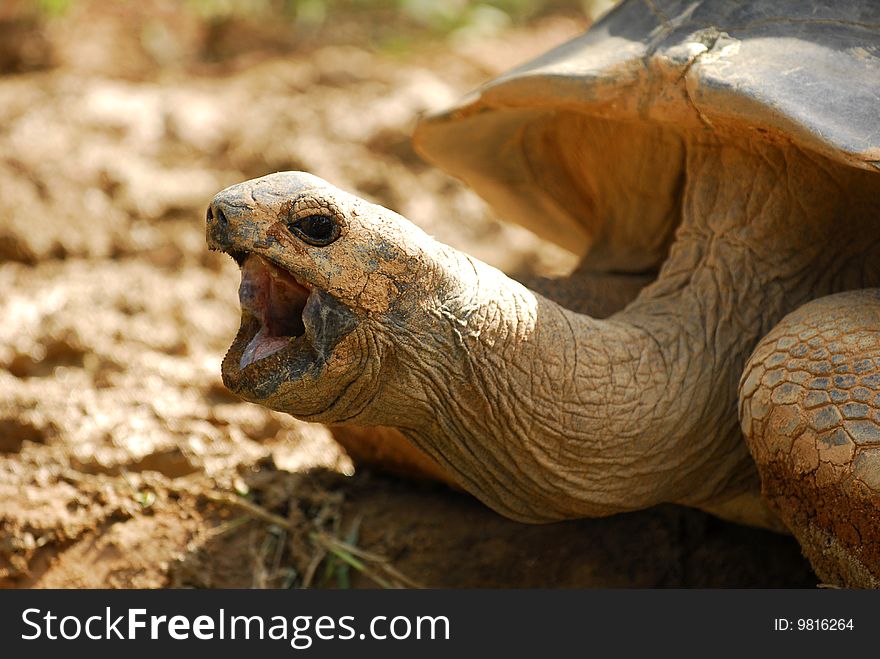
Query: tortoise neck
{"type": "Point", "coordinates": [537, 410]}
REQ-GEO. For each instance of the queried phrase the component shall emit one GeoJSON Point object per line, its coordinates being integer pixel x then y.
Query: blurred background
{"type": "Point", "coordinates": [123, 460]}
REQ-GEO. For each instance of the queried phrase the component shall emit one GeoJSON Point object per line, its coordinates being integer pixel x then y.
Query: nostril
{"type": "Point", "coordinates": [217, 215]}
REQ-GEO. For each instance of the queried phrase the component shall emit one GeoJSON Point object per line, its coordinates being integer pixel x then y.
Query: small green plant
{"type": "Point", "coordinates": [145, 498]}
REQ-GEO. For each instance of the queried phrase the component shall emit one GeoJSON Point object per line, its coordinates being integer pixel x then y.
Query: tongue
{"type": "Point", "coordinates": [262, 345]}
{"type": "Point", "coordinates": [277, 301]}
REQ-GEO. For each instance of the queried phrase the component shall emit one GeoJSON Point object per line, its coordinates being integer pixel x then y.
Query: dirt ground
{"type": "Point", "coordinates": [123, 460]}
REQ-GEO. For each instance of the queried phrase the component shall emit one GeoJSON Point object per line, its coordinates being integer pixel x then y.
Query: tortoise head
{"type": "Point", "coordinates": [326, 278]}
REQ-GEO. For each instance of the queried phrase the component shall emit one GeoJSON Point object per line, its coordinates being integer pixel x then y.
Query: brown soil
{"type": "Point", "coordinates": [123, 460]}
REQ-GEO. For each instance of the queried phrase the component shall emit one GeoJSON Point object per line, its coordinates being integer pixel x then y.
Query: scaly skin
{"type": "Point", "coordinates": [810, 410]}
{"type": "Point", "coordinates": [542, 412]}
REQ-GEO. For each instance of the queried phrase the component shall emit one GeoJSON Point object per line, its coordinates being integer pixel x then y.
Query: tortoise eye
{"type": "Point", "coordinates": [317, 230]}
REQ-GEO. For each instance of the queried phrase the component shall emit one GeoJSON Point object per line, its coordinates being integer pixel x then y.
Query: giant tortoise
{"type": "Point", "coordinates": [717, 164]}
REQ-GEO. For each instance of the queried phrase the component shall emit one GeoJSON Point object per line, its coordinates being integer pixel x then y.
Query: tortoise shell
{"type": "Point", "coordinates": [547, 141]}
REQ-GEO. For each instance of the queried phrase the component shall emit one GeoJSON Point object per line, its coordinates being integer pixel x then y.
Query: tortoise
{"type": "Point", "coordinates": [717, 166]}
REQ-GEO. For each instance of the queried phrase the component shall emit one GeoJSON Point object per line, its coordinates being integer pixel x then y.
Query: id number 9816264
{"type": "Point", "coordinates": [813, 624]}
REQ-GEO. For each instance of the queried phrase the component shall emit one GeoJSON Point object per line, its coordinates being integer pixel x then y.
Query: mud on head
{"type": "Point", "coordinates": [326, 279]}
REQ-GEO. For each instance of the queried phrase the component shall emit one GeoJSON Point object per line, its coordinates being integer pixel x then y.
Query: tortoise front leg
{"type": "Point", "coordinates": [810, 409]}
{"type": "Point", "coordinates": [594, 293]}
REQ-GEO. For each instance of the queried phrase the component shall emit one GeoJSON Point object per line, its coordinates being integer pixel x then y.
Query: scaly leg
{"type": "Point", "coordinates": [810, 410]}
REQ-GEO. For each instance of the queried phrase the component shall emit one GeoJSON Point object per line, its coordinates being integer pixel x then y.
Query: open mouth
{"type": "Point", "coordinates": [272, 303]}
{"type": "Point", "coordinates": [289, 330]}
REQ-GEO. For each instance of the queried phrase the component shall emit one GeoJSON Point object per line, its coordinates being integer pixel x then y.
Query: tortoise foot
{"type": "Point", "coordinates": [810, 410]}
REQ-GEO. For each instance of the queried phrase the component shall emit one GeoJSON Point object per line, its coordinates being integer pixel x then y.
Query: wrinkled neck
{"type": "Point", "coordinates": [531, 407]}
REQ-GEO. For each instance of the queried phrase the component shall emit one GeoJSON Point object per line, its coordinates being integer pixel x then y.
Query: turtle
{"type": "Point", "coordinates": [716, 167]}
